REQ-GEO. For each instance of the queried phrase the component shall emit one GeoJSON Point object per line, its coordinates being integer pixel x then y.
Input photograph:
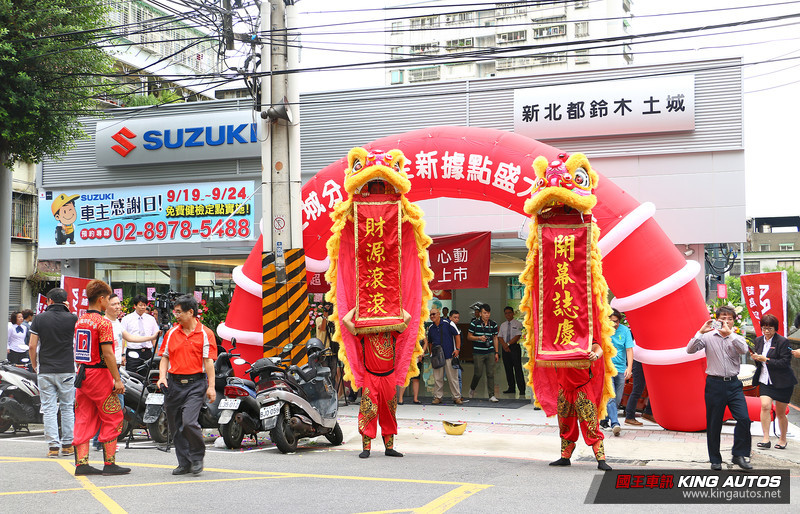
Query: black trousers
{"type": "Point", "coordinates": [183, 403]}
{"type": "Point", "coordinates": [639, 384]}
{"type": "Point", "coordinates": [512, 362]}
{"type": "Point", "coordinates": [138, 364]}
{"type": "Point", "coordinates": [720, 394]}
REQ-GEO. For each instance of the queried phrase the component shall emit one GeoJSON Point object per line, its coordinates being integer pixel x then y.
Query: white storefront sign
{"type": "Point", "coordinates": [634, 106]}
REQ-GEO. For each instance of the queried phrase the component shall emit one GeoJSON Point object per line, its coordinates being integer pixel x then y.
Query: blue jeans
{"type": "Point", "coordinates": [57, 391]}
{"type": "Point", "coordinates": [613, 405]}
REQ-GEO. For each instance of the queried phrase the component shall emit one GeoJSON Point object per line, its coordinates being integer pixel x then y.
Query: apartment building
{"type": "Point", "coordinates": [504, 38]}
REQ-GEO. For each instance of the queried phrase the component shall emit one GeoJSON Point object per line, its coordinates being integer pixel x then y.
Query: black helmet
{"type": "Point", "coordinates": [314, 345]}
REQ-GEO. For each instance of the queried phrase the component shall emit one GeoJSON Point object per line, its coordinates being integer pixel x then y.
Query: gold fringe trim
{"type": "Point", "coordinates": [399, 327]}
{"type": "Point", "coordinates": [577, 364]}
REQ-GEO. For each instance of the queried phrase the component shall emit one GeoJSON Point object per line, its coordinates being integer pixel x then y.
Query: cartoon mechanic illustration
{"type": "Point", "coordinates": [66, 214]}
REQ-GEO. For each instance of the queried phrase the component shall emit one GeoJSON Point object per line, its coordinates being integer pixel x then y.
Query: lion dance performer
{"type": "Point", "coordinates": [97, 405]}
{"type": "Point", "coordinates": [565, 304]}
{"type": "Point", "coordinates": [379, 286]}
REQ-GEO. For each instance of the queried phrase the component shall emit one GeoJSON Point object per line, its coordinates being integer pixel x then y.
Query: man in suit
{"type": "Point", "coordinates": [774, 376]}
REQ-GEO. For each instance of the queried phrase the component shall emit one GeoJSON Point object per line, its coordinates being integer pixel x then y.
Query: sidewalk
{"type": "Point", "coordinates": [523, 432]}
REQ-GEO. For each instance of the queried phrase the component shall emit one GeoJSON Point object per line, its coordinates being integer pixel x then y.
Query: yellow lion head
{"type": "Point", "coordinates": [365, 166]}
{"type": "Point", "coordinates": [563, 182]}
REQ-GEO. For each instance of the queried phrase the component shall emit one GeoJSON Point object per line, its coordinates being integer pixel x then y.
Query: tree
{"type": "Point", "coordinates": [50, 68]}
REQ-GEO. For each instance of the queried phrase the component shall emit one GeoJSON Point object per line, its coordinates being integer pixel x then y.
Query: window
{"type": "Point", "coordinates": [395, 53]}
{"type": "Point", "coordinates": [512, 37]}
{"type": "Point", "coordinates": [511, 9]}
{"type": "Point", "coordinates": [397, 77]}
{"type": "Point", "coordinates": [580, 4]}
{"type": "Point", "coordinates": [582, 29]}
{"type": "Point", "coordinates": [627, 53]}
{"type": "Point", "coordinates": [581, 56]}
{"type": "Point", "coordinates": [752, 267]}
{"type": "Point", "coordinates": [786, 247]}
{"type": "Point", "coordinates": [526, 62]}
{"type": "Point", "coordinates": [455, 44]}
{"type": "Point", "coordinates": [626, 5]}
{"type": "Point", "coordinates": [424, 74]}
{"type": "Point", "coordinates": [793, 265]}
{"type": "Point", "coordinates": [428, 22]}
{"type": "Point", "coordinates": [397, 26]}
{"type": "Point", "coordinates": [23, 216]}
{"type": "Point", "coordinates": [550, 27]}
{"type": "Point", "coordinates": [461, 17]}
{"type": "Point", "coordinates": [763, 247]}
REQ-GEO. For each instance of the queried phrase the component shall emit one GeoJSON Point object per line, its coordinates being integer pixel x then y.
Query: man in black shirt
{"type": "Point", "coordinates": [52, 334]}
{"type": "Point", "coordinates": [485, 349]}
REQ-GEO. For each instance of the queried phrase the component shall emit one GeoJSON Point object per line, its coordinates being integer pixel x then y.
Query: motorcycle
{"type": "Point", "coordinates": [133, 412]}
{"type": "Point", "coordinates": [296, 402]}
{"type": "Point", "coordinates": [155, 417]}
{"type": "Point", "coordinates": [20, 403]}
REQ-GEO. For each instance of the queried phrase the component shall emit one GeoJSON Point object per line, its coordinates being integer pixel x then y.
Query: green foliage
{"type": "Point", "coordinates": [165, 97]}
{"type": "Point", "coordinates": [792, 293]}
{"type": "Point", "coordinates": [50, 71]}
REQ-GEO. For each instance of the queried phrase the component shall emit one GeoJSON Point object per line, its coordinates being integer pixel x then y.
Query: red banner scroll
{"type": "Point", "coordinates": [765, 293]}
{"type": "Point", "coordinates": [565, 291]}
{"type": "Point", "coordinates": [461, 261]}
{"type": "Point", "coordinates": [378, 238]}
{"type": "Point", "coordinates": [76, 294]}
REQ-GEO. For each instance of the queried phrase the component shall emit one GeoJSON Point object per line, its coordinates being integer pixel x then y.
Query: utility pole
{"type": "Point", "coordinates": [6, 191]}
{"type": "Point", "coordinates": [284, 293]}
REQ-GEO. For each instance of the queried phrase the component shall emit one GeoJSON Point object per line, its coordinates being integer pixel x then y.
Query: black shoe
{"type": "Point", "coordinates": [604, 424]}
{"type": "Point", "coordinates": [180, 470]}
{"type": "Point", "coordinates": [602, 466]}
{"type": "Point", "coordinates": [391, 452]}
{"type": "Point", "coordinates": [509, 391]}
{"type": "Point", "coordinates": [716, 467]}
{"type": "Point", "coordinates": [197, 467]}
{"type": "Point", "coordinates": [85, 469]}
{"type": "Point", "coordinates": [561, 462]}
{"type": "Point", "coordinates": [113, 469]}
{"type": "Point", "coordinates": [742, 462]}
{"type": "Point", "coordinates": [364, 454]}
{"type": "Point", "coordinates": [764, 445]}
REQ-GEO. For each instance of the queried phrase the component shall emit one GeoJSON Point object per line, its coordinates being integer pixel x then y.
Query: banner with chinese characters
{"type": "Point", "coordinates": [564, 300]}
{"type": "Point", "coordinates": [460, 261]}
{"type": "Point", "coordinates": [76, 294]}
{"type": "Point", "coordinates": [315, 282]}
{"type": "Point", "coordinates": [176, 213]}
{"type": "Point", "coordinates": [765, 293]}
{"type": "Point", "coordinates": [378, 239]}
{"type": "Point", "coordinates": [41, 303]}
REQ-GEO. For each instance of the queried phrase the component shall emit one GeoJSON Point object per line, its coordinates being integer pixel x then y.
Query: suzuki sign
{"type": "Point", "coordinates": [203, 137]}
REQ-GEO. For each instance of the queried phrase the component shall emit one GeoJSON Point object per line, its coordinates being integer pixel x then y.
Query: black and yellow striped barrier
{"type": "Point", "coordinates": [284, 303]}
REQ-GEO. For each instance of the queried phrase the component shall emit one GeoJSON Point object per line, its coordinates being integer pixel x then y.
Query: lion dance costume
{"type": "Point", "coordinates": [378, 265]}
{"type": "Point", "coordinates": [96, 405]}
{"type": "Point", "coordinates": [565, 304]}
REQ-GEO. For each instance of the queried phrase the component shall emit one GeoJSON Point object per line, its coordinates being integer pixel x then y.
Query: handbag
{"type": "Point", "coordinates": [455, 362]}
{"type": "Point", "coordinates": [437, 356]}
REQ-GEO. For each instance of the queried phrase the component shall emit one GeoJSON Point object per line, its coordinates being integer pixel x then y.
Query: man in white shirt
{"type": "Point", "coordinates": [139, 323]}
{"type": "Point", "coordinates": [509, 336]}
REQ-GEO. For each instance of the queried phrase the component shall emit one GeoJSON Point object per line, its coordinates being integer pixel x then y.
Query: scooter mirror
{"type": "Point", "coordinates": [233, 343]}
{"type": "Point", "coordinates": [288, 347]}
{"type": "Point", "coordinates": [133, 354]}
{"type": "Point", "coordinates": [239, 361]}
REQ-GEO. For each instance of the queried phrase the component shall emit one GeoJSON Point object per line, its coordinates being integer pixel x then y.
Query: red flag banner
{"type": "Point", "coordinates": [765, 293]}
{"type": "Point", "coordinates": [460, 261]}
{"type": "Point", "coordinates": [379, 305]}
{"type": "Point", "coordinates": [76, 294]}
{"type": "Point", "coordinates": [41, 303]}
{"type": "Point", "coordinates": [565, 291]}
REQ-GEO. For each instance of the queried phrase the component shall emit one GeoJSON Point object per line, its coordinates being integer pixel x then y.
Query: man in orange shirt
{"type": "Point", "coordinates": [186, 374]}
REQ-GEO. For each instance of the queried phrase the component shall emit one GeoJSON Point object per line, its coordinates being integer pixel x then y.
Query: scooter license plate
{"type": "Point", "coordinates": [229, 403]}
{"type": "Point", "coordinates": [270, 411]}
{"type": "Point", "coordinates": [155, 399]}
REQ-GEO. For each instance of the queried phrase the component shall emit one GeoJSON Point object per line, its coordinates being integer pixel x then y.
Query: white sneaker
{"type": "Point", "coordinates": [617, 429]}
{"type": "Point", "coordinates": [493, 399]}
{"type": "Point", "coordinates": [472, 393]}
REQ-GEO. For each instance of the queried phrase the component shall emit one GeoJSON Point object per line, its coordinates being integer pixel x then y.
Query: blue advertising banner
{"type": "Point", "coordinates": [176, 213]}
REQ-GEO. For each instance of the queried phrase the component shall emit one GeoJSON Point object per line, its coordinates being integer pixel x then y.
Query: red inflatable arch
{"type": "Point", "coordinates": [652, 282]}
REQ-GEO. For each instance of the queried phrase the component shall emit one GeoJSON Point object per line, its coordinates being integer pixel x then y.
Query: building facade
{"type": "Point", "coordinates": [505, 39]}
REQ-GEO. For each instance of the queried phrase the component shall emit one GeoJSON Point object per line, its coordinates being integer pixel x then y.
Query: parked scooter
{"type": "Point", "coordinates": [20, 403]}
{"type": "Point", "coordinates": [133, 412]}
{"type": "Point", "coordinates": [297, 402]}
{"type": "Point", "coordinates": [155, 416]}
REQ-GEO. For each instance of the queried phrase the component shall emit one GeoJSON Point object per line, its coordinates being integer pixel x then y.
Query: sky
{"type": "Point", "coordinates": [771, 82]}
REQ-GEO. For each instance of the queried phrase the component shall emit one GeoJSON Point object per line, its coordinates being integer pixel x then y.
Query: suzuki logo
{"type": "Point", "coordinates": [124, 147]}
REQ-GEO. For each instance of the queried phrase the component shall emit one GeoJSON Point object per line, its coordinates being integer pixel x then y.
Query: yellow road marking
{"type": "Point", "coordinates": [439, 505]}
{"type": "Point", "coordinates": [95, 491]}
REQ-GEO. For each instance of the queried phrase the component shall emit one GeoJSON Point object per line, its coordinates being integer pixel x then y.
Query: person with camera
{"type": "Point", "coordinates": [140, 324]}
{"type": "Point", "coordinates": [774, 376]}
{"type": "Point", "coordinates": [441, 334]}
{"type": "Point", "coordinates": [723, 388]}
{"type": "Point", "coordinates": [186, 374]}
